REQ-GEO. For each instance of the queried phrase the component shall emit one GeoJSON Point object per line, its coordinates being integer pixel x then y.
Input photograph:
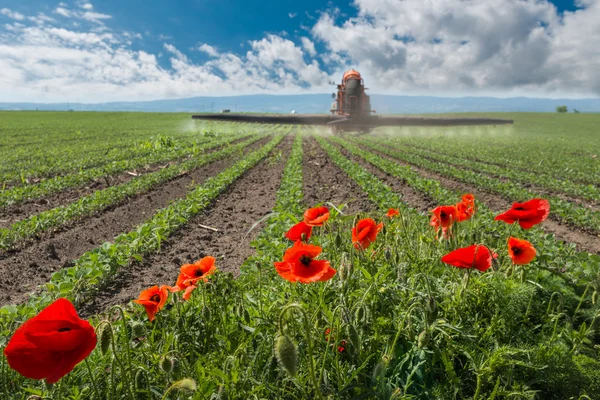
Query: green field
{"type": "Point", "coordinates": [95, 207]}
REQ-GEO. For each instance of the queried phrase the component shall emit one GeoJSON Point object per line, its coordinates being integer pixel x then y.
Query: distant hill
{"type": "Point", "coordinates": [320, 103]}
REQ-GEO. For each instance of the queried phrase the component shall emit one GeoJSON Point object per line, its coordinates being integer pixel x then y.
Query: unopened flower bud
{"type": "Point", "coordinates": [105, 336]}
{"type": "Point", "coordinates": [286, 354]}
{"type": "Point", "coordinates": [166, 365]}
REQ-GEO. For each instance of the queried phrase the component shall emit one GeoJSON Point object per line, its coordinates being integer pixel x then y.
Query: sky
{"type": "Point", "coordinates": [134, 50]}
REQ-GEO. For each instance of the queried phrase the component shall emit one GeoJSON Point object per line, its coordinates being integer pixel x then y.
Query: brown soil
{"type": "Point", "coordinates": [495, 164]}
{"type": "Point", "coordinates": [22, 271]}
{"type": "Point", "coordinates": [583, 240]}
{"type": "Point", "coordinates": [326, 182]}
{"type": "Point", "coordinates": [413, 198]}
{"type": "Point", "coordinates": [11, 214]}
{"type": "Point", "coordinates": [246, 201]}
{"type": "Point", "coordinates": [529, 186]}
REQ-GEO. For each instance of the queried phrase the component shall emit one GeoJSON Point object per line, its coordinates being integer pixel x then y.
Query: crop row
{"type": "Point", "coordinates": [62, 153]}
{"type": "Point", "coordinates": [103, 199]}
{"type": "Point", "coordinates": [20, 194]}
{"type": "Point", "coordinates": [546, 181]}
{"type": "Point", "coordinates": [564, 211]}
{"type": "Point", "coordinates": [536, 158]}
{"type": "Point", "coordinates": [95, 267]}
{"type": "Point", "coordinates": [394, 321]}
{"type": "Point", "coordinates": [581, 266]}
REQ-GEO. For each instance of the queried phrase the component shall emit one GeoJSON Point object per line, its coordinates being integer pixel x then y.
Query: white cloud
{"type": "Point", "coordinates": [309, 46]}
{"type": "Point", "coordinates": [208, 49]}
{"type": "Point", "coordinates": [455, 47]}
{"type": "Point", "coordinates": [460, 46]}
{"type": "Point", "coordinates": [292, 15]}
{"type": "Point", "coordinates": [63, 11]}
{"type": "Point", "coordinates": [12, 14]}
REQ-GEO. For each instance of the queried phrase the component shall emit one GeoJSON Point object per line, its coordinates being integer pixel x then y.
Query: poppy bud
{"type": "Point", "coordinates": [247, 316]}
{"type": "Point", "coordinates": [388, 254]}
{"type": "Point", "coordinates": [286, 354]}
{"type": "Point", "coordinates": [431, 303]}
{"type": "Point", "coordinates": [338, 240]}
{"type": "Point", "coordinates": [138, 329]}
{"type": "Point", "coordinates": [185, 384]}
{"type": "Point", "coordinates": [105, 335]}
{"type": "Point", "coordinates": [34, 397]}
{"type": "Point", "coordinates": [379, 369]}
{"type": "Point", "coordinates": [140, 379]}
{"type": "Point", "coordinates": [423, 338]}
{"type": "Point", "coordinates": [176, 365]}
{"type": "Point", "coordinates": [360, 314]}
{"type": "Point", "coordinates": [594, 297]}
{"type": "Point", "coordinates": [166, 365]}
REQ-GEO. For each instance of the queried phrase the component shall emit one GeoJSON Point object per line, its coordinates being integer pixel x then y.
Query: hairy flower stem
{"type": "Point", "coordinates": [582, 298]}
{"type": "Point", "coordinates": [87, 364]}
{"type": "Point", "coordinates": [127, 350]}
{"type": "Point", "coordinates": [308, 342]}
{"type": "Point", "coordinates": [478, 389]}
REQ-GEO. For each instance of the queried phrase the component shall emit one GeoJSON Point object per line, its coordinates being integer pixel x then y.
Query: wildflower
{"type": "Point", "coordinates": [476, 256]}
{"type": "Point", "coordinates": [299, 264]}
{"type": "Point", "coordinates": [443, 217]}
{"type": "Point", "coordinates": [521, 251]}
{"type": "Point", "coordinates": [528, 214]}
{"type": "Point", "coordinates": [300, 231]}
{"type": "Point", "coordinates": [364, 233]}
{"type": "Point", "coordinates": [392, 212]}
{"type": "Point", "coordinates": [341, 348]}
{"type": "Point", "coordinates": [191, 274]}
{"type": "Point", "coordinates": [49, 345]}
{"type": "Point", "coordinates": [153, 299]}
{"type": "Point", "coordinates": [316, 216]}
{"type": "Point", "coordinates": [188, 292]}
{"type": "Point", "coordinates": [465, 208]}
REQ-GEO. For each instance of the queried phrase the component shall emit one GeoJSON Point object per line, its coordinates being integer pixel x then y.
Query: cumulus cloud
{"type": "Point", "coordinates": [208, 49]}
{"type": "Point", "coordinates": [454, 47]}
{"type": "Point", "coordinates": [490, 47]}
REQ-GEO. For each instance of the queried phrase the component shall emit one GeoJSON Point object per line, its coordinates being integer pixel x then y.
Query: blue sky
{"type": "Point", "coordinates": [133, 49]}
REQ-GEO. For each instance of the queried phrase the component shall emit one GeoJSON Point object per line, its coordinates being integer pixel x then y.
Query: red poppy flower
{"type": "Point", "coordinates": [299, 264]}
{"type": "Point", "coordinates": [528, 214]}
{"type": "Point", "coordinates": [316, 216]}
{"type": "Point", "coordinates": [464, 211]}
{"type": "Point", "coordinates": [443, 217]}
{"type": "Point", "coordinates": [153, 299]}
{"type": "Point", "coordinates": [365, 232]}
{"type": "Point", "coordinates": [469, 199]}
{"type": "Point", "coordinates": [392, 212]}
{"type": "Point", "coordinates": [521, 251]}
{"type": "Point", "coordinates": [191, 274]}
{"type": "Point", "coordinates": [188, 292]}
{"type": "Point", "coordinates": [476, 256]}
{"type": "Point", "coordinates": [49, 345]}
{"type": "Point", "coordinates": [300, 231]}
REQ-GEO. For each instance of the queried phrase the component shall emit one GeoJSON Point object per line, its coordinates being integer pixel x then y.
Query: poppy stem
{"type": "Point", "coordinates": [311, 364]}
{"type": "Point", "coordinates": [127, 350]}
{"type": "Point", "coordinates": [87, 364]}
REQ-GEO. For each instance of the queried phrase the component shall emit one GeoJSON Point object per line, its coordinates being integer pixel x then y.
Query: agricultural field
{"type": "Point", "coordinates": [173, 240]}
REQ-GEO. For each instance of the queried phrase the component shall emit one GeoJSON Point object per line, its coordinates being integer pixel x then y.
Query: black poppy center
{"type": "Point", "coordinates": [305, 260]}
{"type": "Point", "coordinates": [155, 298]}
{"type": "Point", "coordinates": [520, 208]}
{"type": "Point", "coordinates": [198, 273]}
{"type": "Point", "coordinates": [443, 215]}
{"type": "Point", "coordinates": [64, 329]}
{"type": "Point", "coordinates": [516, 251]}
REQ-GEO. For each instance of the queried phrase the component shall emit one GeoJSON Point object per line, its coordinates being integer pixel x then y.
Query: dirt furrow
{"type": "Point", "coordinates": [11, 214]}
{"type": "Point", "coordinates": [234, 212]}
{"type": "Point", "coordinates": [583, 240]}
{"type": "Point", "coordinates": [415, 199]}
{"type": "Point", "coordinates": [326, 182]}
{"type": "Point", "coordinates": [21, 271]}
{"type": "Point", "coordinates": [528, 185]}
